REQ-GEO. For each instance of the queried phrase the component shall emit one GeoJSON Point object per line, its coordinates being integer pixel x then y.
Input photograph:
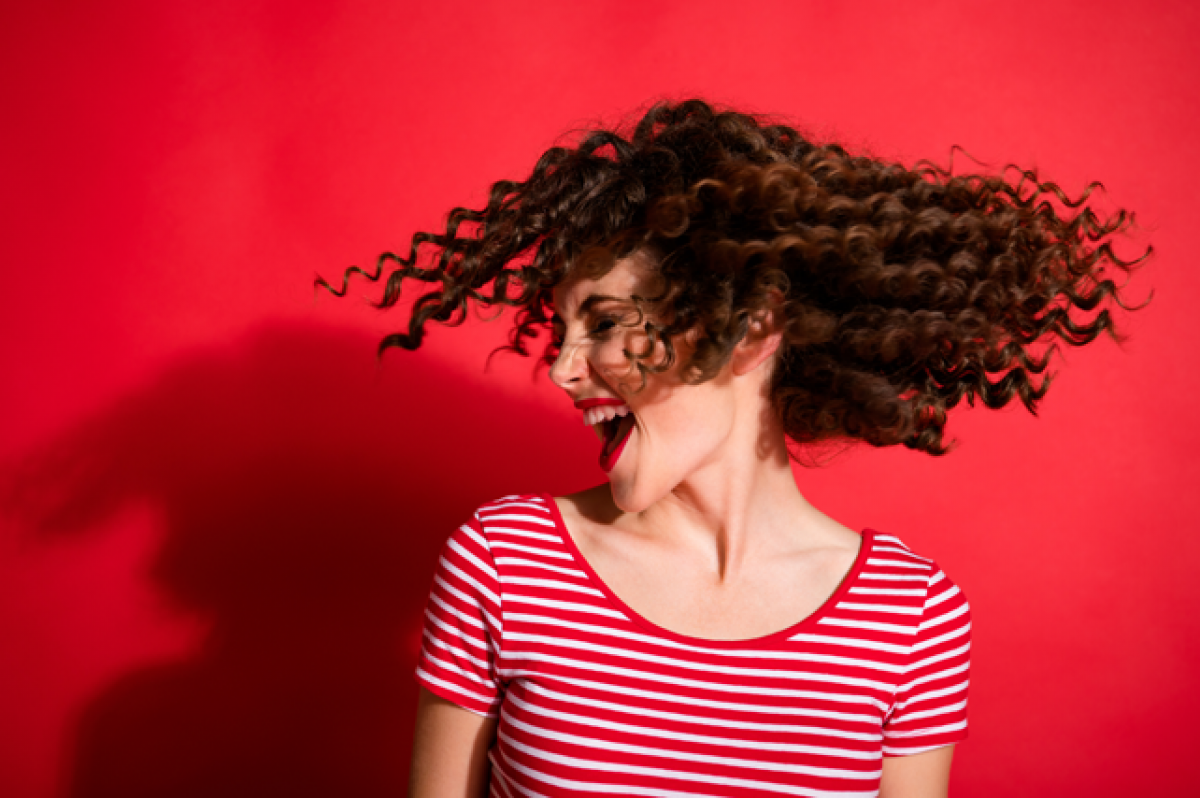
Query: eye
{"type": "Point", "coordinates": [603, 327]}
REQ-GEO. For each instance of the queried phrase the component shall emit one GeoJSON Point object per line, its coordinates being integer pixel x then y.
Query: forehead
{"type": "Point", "coordinates": [627, 277]}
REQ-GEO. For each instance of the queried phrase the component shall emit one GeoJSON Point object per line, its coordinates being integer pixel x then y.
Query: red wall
{"type": "Point", "coordinates": [219, 514]}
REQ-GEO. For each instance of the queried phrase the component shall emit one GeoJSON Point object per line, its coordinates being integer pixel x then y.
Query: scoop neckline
{"type": "Point", "coordinates": [864, 547]}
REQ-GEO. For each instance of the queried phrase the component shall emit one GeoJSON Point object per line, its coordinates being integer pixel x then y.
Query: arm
{"type": "Point", "coordinates": [450, 746]}
{"type": "Point", "coordinates": [924, 775]}
{"type": "Point", "coordinates": [930, 712]}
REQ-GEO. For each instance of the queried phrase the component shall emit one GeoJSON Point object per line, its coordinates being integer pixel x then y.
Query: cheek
{"type": "Point", "coordinates": [609, 360]}
{"type": "Point", "coordinates": [689, 424]}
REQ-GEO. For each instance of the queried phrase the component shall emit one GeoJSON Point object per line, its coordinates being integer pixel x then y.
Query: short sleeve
{"type": "Point", "coordinates": [930, 710]}
{"type": "Point", "coordinates": [460, 645]}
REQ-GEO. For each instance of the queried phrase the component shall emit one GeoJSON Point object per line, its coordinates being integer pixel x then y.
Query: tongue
{"type": "Point", "coordinates": [615, 431]}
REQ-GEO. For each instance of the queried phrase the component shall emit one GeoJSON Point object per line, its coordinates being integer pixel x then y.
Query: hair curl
{"type": "Point", "coordinates": [905, 290]}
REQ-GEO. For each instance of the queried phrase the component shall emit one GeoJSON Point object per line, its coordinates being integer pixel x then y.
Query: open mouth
{"type": "Point", "coordinates": [612, 421]}
{"type": "Point", "coordinates": [615, 432]}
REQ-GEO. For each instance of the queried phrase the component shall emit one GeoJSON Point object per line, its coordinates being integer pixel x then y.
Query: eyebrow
{"type": "Point", "coordinates": [588, 304]}
{"type": "Point", "coordinates": [595, 299]}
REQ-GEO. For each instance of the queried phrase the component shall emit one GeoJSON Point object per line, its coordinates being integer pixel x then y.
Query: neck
{"type": "Point", "coordinates": [737, 508]}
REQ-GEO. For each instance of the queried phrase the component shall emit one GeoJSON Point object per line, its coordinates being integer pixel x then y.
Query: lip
{"type": "Point", "coordinates": [603, 401]}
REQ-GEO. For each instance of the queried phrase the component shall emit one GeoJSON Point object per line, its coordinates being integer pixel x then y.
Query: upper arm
{"type": "Point", "coordinates": [450, 748]}
{"type": "Point", "coordinates": [464, 624]}
{"type": "Point", "coordinates": [924, 775]}
{"type": "Point", "coordinates": [930, 706]}
{"type": "Point", "coordinates": [461, 690]}
{"type": "Point", "coordinates": [930, 711]}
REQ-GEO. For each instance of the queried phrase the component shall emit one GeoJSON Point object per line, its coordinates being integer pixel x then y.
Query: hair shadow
{"type": "Point", "coordinates": [305, 492]}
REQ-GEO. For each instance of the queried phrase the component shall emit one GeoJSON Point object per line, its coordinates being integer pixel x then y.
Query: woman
{"type": "Point", "coordinates": [722, 293]}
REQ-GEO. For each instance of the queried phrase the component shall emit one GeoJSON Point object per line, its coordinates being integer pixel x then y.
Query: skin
{"type": "Point", "coordinates": [701, 528]}
{"type": "Point", "coordinates": [450, 746]}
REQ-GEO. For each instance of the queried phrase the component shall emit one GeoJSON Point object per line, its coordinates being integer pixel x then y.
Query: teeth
{"type": "Point", "coordinates": [595, 416]}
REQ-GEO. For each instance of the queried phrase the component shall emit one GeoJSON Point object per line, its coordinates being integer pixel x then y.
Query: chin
{"type": "Point", "coordinates": [630, 497]}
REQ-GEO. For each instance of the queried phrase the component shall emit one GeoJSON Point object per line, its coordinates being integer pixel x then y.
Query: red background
{"type": "Point", "coordinates": [220, 514]}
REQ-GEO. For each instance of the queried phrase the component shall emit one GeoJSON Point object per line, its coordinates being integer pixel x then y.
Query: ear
{"type": "Point", "coordinates": [762, 338]}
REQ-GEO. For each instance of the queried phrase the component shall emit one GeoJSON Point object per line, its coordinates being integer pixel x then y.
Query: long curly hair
{"type": "Point", "coordinates": [904, 290]}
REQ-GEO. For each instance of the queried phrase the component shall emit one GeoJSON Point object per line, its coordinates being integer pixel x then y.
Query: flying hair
{"type": "Point", "coordinates": [905, 290]}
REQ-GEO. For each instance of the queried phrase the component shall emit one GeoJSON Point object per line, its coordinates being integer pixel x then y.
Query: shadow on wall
{"type": "Point", "coordinates": [306, 494]}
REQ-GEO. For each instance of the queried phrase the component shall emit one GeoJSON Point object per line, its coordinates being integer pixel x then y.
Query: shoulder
{"type": "Point", "coordinates": [506, 518]}
{"type": "Point", "coordinates": [889, 559]}
{"type": "Point", "coordinates": [926, 611]}
{"type": "Point", "coordinates": [527, 516]}
{"type": "Point", "coordinates": [515, 511]}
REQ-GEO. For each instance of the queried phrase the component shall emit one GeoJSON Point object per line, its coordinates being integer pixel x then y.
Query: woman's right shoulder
{"type": "Point", "coordinates": [514, 504]}
{"type": "Point", "coordinates": [514, 512]}
{"type": "Point", "coordinates": [514, 525]}
{"type": "Point", "coordinates": [588, 503]}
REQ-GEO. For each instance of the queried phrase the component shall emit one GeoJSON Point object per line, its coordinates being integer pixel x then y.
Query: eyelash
{"type": "Point", "coordinates": [601, 329]}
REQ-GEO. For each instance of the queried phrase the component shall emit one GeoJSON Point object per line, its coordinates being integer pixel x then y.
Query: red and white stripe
{"type": "Point", "coordinates": [593, 698]}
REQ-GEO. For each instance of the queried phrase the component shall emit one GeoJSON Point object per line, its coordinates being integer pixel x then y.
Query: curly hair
{"type": "Point", "coordinates": [904, 290]}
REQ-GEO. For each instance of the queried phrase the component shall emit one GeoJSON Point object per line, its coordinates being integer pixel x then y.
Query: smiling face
{"type": "Point", "coordinates": [652, 439]}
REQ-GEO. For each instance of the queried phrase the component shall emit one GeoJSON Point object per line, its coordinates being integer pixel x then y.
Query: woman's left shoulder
{"type": "Point", "coordinates": [900, 563]}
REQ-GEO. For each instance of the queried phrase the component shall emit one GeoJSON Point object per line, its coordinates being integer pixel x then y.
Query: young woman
{"type": "Point", "coordinates": [721, 292]}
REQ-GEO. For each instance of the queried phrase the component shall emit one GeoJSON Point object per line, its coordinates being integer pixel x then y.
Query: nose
{"type": "Point", "coordinates": [569, 368]}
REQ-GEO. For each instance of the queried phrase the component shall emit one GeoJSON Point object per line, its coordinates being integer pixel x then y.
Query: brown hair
{"type": "Point", "coordinates": [905, 290]}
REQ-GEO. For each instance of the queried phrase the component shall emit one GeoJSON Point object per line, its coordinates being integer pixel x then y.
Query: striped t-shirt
{"type": "Point", "coordinates": [593, 698]}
